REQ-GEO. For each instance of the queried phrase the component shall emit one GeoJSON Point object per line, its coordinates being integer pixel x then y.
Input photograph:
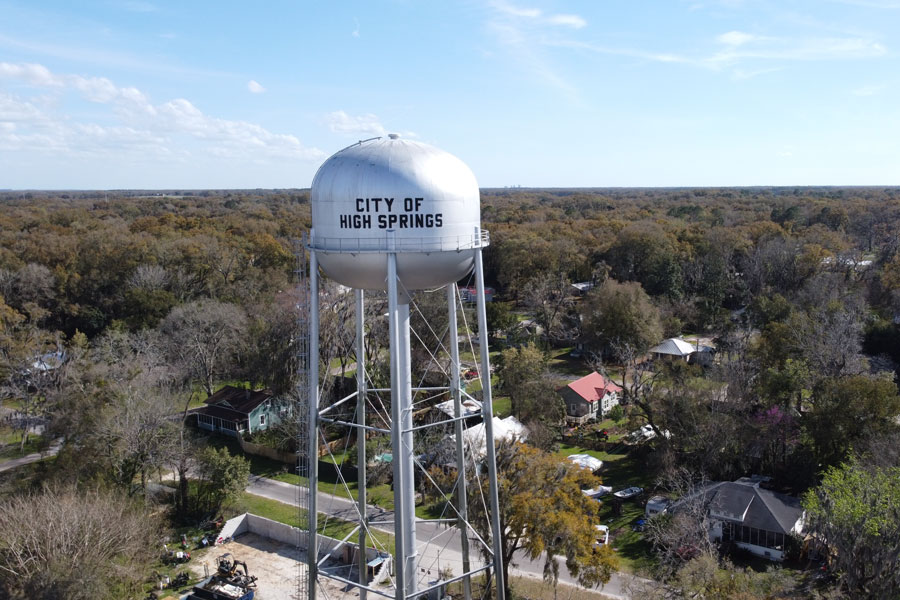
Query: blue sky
{"type": "Point", "coordinates": [101, 94]}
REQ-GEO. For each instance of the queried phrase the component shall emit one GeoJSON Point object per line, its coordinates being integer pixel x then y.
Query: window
{"type": "Point", "coordinates": [262, 420]}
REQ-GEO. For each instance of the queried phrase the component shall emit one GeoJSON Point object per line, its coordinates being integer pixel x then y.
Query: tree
{"type": "Point", "coordinates": [523, 376]}
{"type": "Point", "coordinates": [620, 313]}
{"type": "Point", "coordinates": [24, 376]}
{"type": "Point", "coordinates": [846, 410]}
{"type": "Point", "coordinates": [856, 512]}
{"type": "Point", "coordinates": [548, 296]}
{"type": "Point", "coordinates": [681, 534]}
{"type": "Point", "coordinates": [499, 317]}
{"type": "Point", "coordinates": [222, 478]}
{"type": "Point", "coordinates": [205, 336]}
{"type": "Point", "coordinates": [74, 543]}
{"type": "Point", "coordinates": [543, 511]}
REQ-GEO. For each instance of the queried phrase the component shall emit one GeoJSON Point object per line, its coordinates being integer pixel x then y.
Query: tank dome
{"type": "Point", "coordinates": [394, 195]}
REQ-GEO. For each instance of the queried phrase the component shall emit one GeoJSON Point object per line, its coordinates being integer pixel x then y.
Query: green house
{"type": "Point", "coordinates": [234, 411]}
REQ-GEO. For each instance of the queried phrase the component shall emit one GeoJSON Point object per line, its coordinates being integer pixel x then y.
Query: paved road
{"type": "Point", "coordinates": [29, 458]}
{"type": "Point", "coordinates": [439, 546]}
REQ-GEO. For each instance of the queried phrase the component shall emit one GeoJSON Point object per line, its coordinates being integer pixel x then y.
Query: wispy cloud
{"type": "Point", "coordinates": [793, 49]}
{"type": "Point", "coordinates": [524, 32]}
{"type": "Point", "coordinates": [155, 129]}
{"type": "Point", "coordinates": [568, 20]}
{"type": "Point", "coordinates": [735, 38]}
{"type": "Point", "coordinates": [367, 124]}
{"type": "Point", "coordinates": [355, 29]}
{"type": "Point", "coordinates": [255, 87]}
{"type": "Point", "coordinates": [100, 57]}
{"type": "Point", "coordinates": [867, 90]}
{"type": "Point", "coordinates": [883, 4]}
{"type": "Point", "coordinates": [508, 9]}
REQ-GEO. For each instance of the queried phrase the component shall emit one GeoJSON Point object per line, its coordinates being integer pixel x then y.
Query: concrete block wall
{"type": "Point", "coordinates": [292, 536]}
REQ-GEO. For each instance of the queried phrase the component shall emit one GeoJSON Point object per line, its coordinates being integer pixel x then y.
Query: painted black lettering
{"type": "Point", "coordinates": [382, 222]}
{"type": "Point", "coordinates": [439, 220]}
{"type": "Point", "coordinates": [360, 205]}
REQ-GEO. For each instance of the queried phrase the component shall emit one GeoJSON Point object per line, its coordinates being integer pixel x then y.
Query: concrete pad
{"type": "Point", "coordinates": [277, 567]}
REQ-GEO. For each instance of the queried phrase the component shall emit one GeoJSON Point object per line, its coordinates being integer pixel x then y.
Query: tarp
{"type": "Point", "coordinates": [586, 461]}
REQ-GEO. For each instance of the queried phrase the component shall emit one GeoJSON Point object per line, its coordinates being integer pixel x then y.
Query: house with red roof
{"type": "Point", "coordinates": [591, 397]}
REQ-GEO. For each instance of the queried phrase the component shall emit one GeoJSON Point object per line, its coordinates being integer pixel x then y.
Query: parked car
{"type": "Point", "coordinates": [602, 535]}
{"type": "Point", "coordinates": [627, 493]}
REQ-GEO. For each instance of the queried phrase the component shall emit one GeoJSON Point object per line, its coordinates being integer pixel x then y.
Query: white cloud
{"type": "Point", "coordinates": [255, 87]}
{"type": "Point", "coordinates": [367, 124]}
{"type": "Point", "coordinates": [573, 21]}
{"type": "Point", "coordinates": [524, 33]}
{"type": "Point", "coordinates": [735, 38]}
{"type": "Point", "coordinates": [800, 49]}
{"type": "Point", "coordinates": [515, 11]}
{"type": "Point", "coordinates": [355, 32]}
{"type": "Point", "coordinates": [173, 128]}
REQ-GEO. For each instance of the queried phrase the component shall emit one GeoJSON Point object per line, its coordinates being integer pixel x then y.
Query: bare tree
{"type": "Point", "coordinates": [73, 544]}
{"type": "Point", "coordinates": [683, 532]}
{"type": "Point", "coordinates": [548, 296]}
{"type": "Point", "coordinates": [205, 336]}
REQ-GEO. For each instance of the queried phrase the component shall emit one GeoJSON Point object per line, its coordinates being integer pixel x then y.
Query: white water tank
{"type": "Point", "coordinates": [394, 195]}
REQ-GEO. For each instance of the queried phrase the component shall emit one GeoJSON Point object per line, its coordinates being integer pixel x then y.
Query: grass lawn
{"type": "Point", "coordinates": [561, 362]}
{"type": "Point", "coordinates": [502, 406]}
{"type": "Point", "coordinates": [633, 551]}
{"type": "Point", "coordinates": [291, 515]}
{"type": "Point", "coordinates": [622, 470]}
{"type": "Point", "coordinates": [379, 495]}
{"type": "Point", "coordinates": [529, 588]}
{"type": "Point", "coordinates": [10, 440]}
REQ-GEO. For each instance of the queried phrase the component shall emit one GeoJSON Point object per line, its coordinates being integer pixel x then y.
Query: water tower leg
{"type": "Point", "coordinates": [461, 499]}
{"type": "Point", "coordinates": [401, 429]}
{"type": "Point", "coordinates": [361, 391]}
{"type": "Point", "coordinates": [488, 411]}
{"type": "Point", "coordinates": [312, 456]}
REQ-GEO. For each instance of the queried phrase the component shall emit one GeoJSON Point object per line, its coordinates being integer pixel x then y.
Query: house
{"type": "Point", "coordinates": [591, 397]}
{"type": "Point", "coordinates": [233, 411]}
{"type": "Point", "coordinates": [673, 349]}
{"type": "Point", "coordinates": [470, 294]}
{"type": "Point", "coordinates": [750, 517]}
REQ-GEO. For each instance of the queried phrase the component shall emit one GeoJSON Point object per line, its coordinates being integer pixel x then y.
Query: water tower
{"type": "Point", "coordinates": [396, 215]}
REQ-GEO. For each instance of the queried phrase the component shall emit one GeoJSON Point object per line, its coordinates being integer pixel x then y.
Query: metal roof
{"type": "Point", "coordinates": [675, 347]}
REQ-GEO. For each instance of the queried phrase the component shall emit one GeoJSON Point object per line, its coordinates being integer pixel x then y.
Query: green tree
{"type": "Point", "coordinates": [222, 478]}
{"type": "Point", "coordinates": [856, 512]}
{"type": "Point", "coordinates": [618, 315]}
{"type": "Point", "coordinates": [543, 511]}
{"type": "Point", "coordinates": [846, 410]}
{"type": "Point", "coordinates": [523, 376]}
